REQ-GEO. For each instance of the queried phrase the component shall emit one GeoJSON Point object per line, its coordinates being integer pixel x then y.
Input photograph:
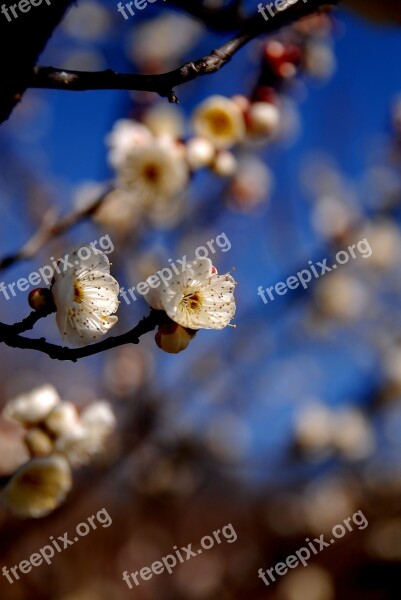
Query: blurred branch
{"type": "Point", "coordinates": [9, 337]}
{"type": "Point", "coordinates": [164, 84]}
{"type": "Point", "coordinates": [51, 228]}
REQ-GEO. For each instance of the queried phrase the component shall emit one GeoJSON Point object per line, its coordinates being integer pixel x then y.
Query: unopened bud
{"type": "Point", "coordinates": [262, 120]}
{"type": "Point", "coordinates": [173, 338]}
{"type": "Point", "coordinates": [41, 299]}
{"type": "Point", "coordinates": [38, 442]}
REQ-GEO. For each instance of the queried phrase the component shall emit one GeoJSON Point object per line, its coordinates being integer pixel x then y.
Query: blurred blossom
{"type": "Point", "coordinates": [392, 365]}
{"type": "Point", "coordinates": [59, 432]}
{"type": "Point", "coordinates": [384, 539]}
{"type": "Point", "coordinates": [89, 437]}
{"type": "Point", "coordinates": [160, 43]}
{"type": "Point", "coordinates": [314, 583]}
{"type": "Point", "coordinates": [220, 120]}
{"type": "Point", "coordinates": [225, 164]}
{"type": "Point", "coordinates": [125, 136]}
{"type": "Point", "coordinates": [200, 153]}
{"type": "Point", "coordinates": [38, 442]}
{"type": "Point", "coordinates": [332, 217]}
{"type": "Point", "coordinates": [88, 21]}
{"type": "Point", "coordinates": [327, 503]}
{"type": "Point", "coordinates": [120, 213]}
{"type": "Point", "coordinates": [385, 241]}
{"type": "Point", "coordinates": [38, 487]}
{"type": "Point", "coordinates": [313, 430]}
{"type": "Point", "coordinates": [353, 436]}
{"type": "Point", "coordinates": [13, 451]}
{"type": "Point", "coordinates": [263, 121]}
{"type": "Point", "coordinates": [320, 177]}
{"type": "Point", "coordinates": [62, 418]}
{"type": "Point", "coordinates": [165, 120]}
{"type": "Point", "coordinates": [251, 185]}
{"type": "Point", "coordinates": [33, 406]}
{"type": "Point", "coordinates": [154, 174]}
{"type": "Point", "coordinates": [342, 297]}
{"type": "Point", "coordinates": [319, 60]}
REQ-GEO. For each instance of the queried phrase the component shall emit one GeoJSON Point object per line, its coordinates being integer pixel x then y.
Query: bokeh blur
{"type": "Point", "coordinates": [287, 424]}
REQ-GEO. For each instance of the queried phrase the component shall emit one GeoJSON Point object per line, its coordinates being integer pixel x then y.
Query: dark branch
{"type": "Point", "coordinates": [9, 337]}
{"type": "Point", "coordinates": [22, 40]}
{"type": "Point", "coordinates": [164, 84]}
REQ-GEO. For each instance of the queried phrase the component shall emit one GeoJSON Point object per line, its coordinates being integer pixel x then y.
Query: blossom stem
{"type": "Point", "coordinates": [14, 340]}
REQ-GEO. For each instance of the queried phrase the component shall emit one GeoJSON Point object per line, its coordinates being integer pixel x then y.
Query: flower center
{"type": "Point", "coordinates": [151, 173]}
{"type": "Point", "coordinates": [220, 123]}
{"type": "Point", "coordinates": [192, 301]}
{"type": "Point", "coordinates": [78, 293]}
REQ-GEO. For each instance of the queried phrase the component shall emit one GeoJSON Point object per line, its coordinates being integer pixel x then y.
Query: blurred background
{"type": "Point", "coordinates": [284, 426]}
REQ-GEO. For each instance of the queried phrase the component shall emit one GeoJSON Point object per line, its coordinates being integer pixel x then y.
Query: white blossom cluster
{"type": "Point", "coordinates": [57, 438]}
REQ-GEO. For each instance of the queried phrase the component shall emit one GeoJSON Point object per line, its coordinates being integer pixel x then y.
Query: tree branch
{"type": "Point", "coordinates": [14, 340]}
{"type": "Point", "coordinates": [164, 84]}
{"type": "Point", "coordinates": [51, 228]}
{"type": "Point", "coordinates": [22, 40]}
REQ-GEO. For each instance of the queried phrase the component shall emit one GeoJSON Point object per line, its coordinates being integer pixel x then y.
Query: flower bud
{"type": "Point", "coordinates": [173, 338]}
{"type": "Point", "coordinates": [41, 299]}
{"type": "Point", "coordinates": [200, 153]}
{"type": "Point", "coordinates": [225, 164]}
{"type": "Point", "coordinates": [38, 442]}
{"type": "Point", "coordinates": [262, 120]}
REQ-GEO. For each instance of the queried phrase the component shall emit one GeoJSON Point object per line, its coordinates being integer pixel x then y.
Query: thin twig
{"type": "Point", "coordinates": [164, 84]}
{"type": "Point", "coordinates": [50, 229]}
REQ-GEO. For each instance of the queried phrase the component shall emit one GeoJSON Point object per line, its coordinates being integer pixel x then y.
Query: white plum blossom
{"type": "Point", "coordinates": [154, 172]}
{"type": "Point", "coordinates": [125, 136]}
{"type": "Point", "coordinates": [198, 298]}
{"type": "Point", "coordinates": [85, 296]}
{"type": "Point", "coordinates": [88, 438]}
{"type": "Point", "coordinates": [220, 120]}
{"type": "Point", "coordinates": [33, 406]}
{"type": "Point", "coordinates": [38, 487]}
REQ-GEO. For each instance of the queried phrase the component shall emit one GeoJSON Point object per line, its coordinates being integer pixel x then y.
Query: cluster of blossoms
{"type": "Point", "coordinates": [321, 432]}
{"type": "Point", "coordinates": [57, 439]}
{"type": "Point", "coordinates": [85, 296]}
